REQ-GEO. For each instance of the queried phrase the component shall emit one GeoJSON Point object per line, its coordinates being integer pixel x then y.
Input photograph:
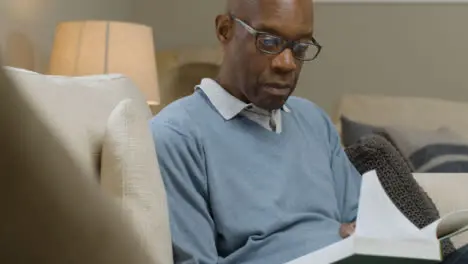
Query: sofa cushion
{"type": "Point", "coordinates": [448, 191]}
{"type": "Point", "coordinates": [407, 111]}
{"type": "Point", "coordinates": [439, 150]}
{"type": "Point", "coordinates": [374, 152]}
{"type": "Point", "coordinates": [352, 131]}
{"type": "Point", "coordinates": [425, 150]}
{"type": "Point", "coordinates": [130, 173]}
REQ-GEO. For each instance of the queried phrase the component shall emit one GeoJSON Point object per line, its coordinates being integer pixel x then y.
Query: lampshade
{"type": "Point", "coordinates": [104, 47]}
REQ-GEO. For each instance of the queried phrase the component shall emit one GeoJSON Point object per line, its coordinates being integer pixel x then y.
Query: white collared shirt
{"type": "Point", "coordinates": [229, 107]}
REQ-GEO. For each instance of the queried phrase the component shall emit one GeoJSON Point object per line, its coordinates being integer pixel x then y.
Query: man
{"type": "Point", "coordinates": [254, 175]}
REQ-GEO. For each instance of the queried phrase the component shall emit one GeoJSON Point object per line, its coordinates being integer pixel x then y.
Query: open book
{"type": "Point", "coordinates": [384, 235]}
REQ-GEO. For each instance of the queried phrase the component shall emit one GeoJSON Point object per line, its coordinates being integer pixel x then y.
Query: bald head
{"type": "Point", "coordinates": [270, 16]}
{"type": "Point", "coordinates": [237, 6]}
{"type": "Point", "coordinates": [250, 31]}
{"type": "Point", "coordinates": [249, 8]}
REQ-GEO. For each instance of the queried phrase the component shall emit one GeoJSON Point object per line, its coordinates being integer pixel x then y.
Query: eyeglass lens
{"type": "Point", "coordinates": [274, 45]}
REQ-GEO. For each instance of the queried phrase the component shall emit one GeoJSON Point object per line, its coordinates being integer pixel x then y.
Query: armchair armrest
{"type": "Point", "coordinates": [448, 192]}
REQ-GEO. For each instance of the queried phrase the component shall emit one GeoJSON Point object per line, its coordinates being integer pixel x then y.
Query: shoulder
{"type": "Point", "coordinates": [178, 144]}
{"type": "Point", "coordinates": [302, 103]}
{"type": "Point", "coordinates": [313, 116]}
{"type": "Point", "coordinates": [308, 110]}
{"type": "Point", "coordinates": [175, 125]}
{"type": "Point", "coordinates": [179, 116]}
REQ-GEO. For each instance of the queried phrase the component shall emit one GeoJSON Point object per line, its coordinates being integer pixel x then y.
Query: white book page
{"type": "Point", "coordinates": [330, 254]}
{"type": "Point", "coordinates": [378, 217]}
{"type": "Point", "coordinates": [449, 225]}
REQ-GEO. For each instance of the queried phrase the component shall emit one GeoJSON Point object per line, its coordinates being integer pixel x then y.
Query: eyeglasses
{"type": "Point", "coordinates": [271, 44]}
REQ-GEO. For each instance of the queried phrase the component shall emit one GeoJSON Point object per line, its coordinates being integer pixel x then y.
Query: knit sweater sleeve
{"type": "Point", "coordinates": [347, 178]}
{"type": "Point", "coordinates": [347, 181]}
{"type": "Point", "coordinates": [182, 166]}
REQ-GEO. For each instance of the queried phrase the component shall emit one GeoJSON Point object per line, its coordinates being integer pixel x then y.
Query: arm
{"type": "Point", "coordinates": [182, 168]}
{"type": "Point", "coordinates": [345, 176]}
{"type": "Point", "coordinates": [347, 179]}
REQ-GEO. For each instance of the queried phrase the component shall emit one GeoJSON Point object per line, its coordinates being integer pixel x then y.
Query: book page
{"type": "Point", "coordinates": [378, 217]}
{"type": "Point", "coordinates": [330, 254]}
{"type": "Point", "coordinates": [448, 226]}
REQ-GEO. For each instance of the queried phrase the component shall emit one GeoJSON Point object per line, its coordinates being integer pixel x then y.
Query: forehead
{"type": "Point", "coordinates": [289, 18]}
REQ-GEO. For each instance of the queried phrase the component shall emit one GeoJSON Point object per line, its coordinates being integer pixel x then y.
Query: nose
{"type": "Point", "coordinates": [284, 62]}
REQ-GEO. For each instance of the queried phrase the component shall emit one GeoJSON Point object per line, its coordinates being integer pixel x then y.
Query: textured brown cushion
{"type": "Point", "coordinates": [373, 152]}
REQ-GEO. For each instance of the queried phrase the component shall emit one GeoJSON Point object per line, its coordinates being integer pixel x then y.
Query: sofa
{"type": "Point", "coordinates": [101, 122]}
{"type": "Point", "coordinates": [423, 118]}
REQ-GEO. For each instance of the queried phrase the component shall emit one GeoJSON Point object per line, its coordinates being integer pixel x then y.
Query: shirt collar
{"type": "Point", "coordinates": [226, 104]}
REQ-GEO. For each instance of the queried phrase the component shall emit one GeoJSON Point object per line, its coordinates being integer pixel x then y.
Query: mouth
{"type": "Point", "coordinates": [277, 89]}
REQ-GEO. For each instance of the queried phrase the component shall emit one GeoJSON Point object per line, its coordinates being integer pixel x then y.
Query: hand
{"type": "Point", "coordinates": [347, 229]}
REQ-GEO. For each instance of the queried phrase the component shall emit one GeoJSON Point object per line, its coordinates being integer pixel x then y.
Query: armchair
{"type": "Point", "coordinates": [94, 127]}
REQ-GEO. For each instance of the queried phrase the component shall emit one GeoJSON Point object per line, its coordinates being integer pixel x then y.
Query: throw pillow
{"type": "Point", "coordinates": [352, 130]}
{"type": "Point", "coordinates": [439, 150]}
{"type": "Point", "coordinates": [130, 173]}
{"type": "Point", "coordinates": [374, 152]}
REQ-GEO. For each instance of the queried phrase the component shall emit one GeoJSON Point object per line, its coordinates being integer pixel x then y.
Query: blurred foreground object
{"type": "Point", "coordinates": [54, 209]}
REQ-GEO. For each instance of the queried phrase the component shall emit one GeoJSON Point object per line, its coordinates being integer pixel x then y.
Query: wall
{"type": "Point", "coordinates": [27, 26]}
{"type": "Point", "coordinates": [180, 23]}
{"type": "Point", "coordinates": [394, 49]}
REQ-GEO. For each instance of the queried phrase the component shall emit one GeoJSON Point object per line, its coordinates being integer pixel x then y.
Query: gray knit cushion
{"type": "Point", "coordinates": [374, 152]}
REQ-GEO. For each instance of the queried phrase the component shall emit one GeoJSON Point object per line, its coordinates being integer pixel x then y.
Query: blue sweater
{"type": "Point", "coordinates": [239, 193]}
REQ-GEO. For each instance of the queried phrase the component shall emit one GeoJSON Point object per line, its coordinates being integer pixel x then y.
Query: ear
{"type": "Point", "coordinates": [224, 28]}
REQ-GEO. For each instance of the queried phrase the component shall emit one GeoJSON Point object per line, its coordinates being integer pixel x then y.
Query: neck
{"type": "Point", "coordinates": [226, 81]}
{"type": "Point", "coordinates": [225, 86]}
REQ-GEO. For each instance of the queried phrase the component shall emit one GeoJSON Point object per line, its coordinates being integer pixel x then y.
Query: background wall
{"type": "Point", "coordinates": [394, 49]}
{"type": "Point", "coordinates": [180, 23]}
{"type": "Point", "coordinates": [27, 26]}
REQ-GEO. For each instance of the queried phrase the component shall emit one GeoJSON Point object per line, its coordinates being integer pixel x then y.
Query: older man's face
{"type": "Point", "coordinates": [267, 80]}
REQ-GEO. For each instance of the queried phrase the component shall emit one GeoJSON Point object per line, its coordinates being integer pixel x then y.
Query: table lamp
{"type": "Point", "coordinates": [104, 47]}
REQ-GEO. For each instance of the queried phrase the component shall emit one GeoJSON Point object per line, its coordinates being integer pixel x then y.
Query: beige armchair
{"type": "Point", "coordinates": [95, 128]}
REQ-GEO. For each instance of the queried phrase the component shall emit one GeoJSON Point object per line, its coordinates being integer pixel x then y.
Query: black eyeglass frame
{"type": "Point", "coordinates": [291, 44]}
